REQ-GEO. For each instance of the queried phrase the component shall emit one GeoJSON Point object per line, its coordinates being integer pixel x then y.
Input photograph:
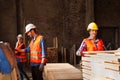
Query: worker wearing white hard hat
{"type": "Point", "coordinates": [21, 57]}
{"type": "Point", "coordinates": [37, 50]}
{"type": "Point", "coordinates": [92, 43]}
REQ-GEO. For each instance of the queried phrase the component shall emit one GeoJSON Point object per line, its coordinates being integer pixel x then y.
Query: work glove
{"type": "Point", "coordinates": [78, 53]}
{"type": "Point", "coordinates": [41, 67]}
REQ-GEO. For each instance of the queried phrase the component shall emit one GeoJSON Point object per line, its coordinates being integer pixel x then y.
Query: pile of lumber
{"type": "Point", "coordinates": [52, 52]}
{"type": "Point", "coordinates": [104, 65]}
{"type": "Point", "coordinates": [61, 71]}
{"type": "Point", "coordinates": [52, 55]}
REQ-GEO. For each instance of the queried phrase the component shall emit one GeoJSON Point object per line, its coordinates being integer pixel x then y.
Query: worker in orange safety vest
{"type": "Point", "coordinates": [92, 43]}
{"type": "Point", "coordinates": [37, 50]}
{"type": "Point", "coordinates": [21, 57]}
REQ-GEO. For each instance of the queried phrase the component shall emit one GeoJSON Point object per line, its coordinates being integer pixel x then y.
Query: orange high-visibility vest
{"type": "Point", "coordinates": [35, 50]}
{"type": "Point", "coordinates": [91, 46]}
{"type": "Point", "coordinates": [21, 55]}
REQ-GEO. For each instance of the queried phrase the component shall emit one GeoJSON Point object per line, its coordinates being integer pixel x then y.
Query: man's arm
{"type": "Point", "coordinates": [82, 48]}
{"type": "Point", "coordinates": [26, 50]}
{"type": "Point", "coordinates": [44, 51]}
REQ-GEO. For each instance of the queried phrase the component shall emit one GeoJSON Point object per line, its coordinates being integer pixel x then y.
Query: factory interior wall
{"type": "Point", "coordinates": [65, 19]}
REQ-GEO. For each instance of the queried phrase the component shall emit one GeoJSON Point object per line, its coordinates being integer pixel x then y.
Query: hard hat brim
{"type": "Point", "coordinates": [26, 32]}
{"type": "Point", "coordinates": [29, 30]}
{"type": "Point", "coordinates": [92, 29]}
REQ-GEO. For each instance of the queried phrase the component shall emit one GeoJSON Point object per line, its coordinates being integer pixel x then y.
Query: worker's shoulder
{"type": "Point", "coordinates": [85, 39]}
{"type": "Point", "coordinates": [40, 36]}
{"type": "Point", "coordinates": [99, 39]}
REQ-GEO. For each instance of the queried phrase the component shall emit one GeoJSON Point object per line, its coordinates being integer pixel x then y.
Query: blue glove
{"type": "Point", "coordinates": [41, 67]}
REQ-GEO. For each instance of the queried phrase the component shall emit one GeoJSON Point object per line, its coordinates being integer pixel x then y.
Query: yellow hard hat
{"type": "Point", "coordinates": [92, 26]}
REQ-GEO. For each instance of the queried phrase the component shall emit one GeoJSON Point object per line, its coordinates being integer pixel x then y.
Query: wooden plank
{"type": "Point", "coordinates": [62, 53]}
{"type": "Point", "coordinates": [73, 55]}
{"type": "Point", "coordinates": [55, 42]}
{"type": "Point", "coordinates": [104, 52]}
{"type": "Point", "coordinates": [62, 71]}
{"type": "Point", "coordinates": [0, 76]}
{"type": "Point", "coordinates": [14, 74]}
{"type": "Point", "coordinates": [112, 66]}
{"type": "Point", "coordinates": [64, 50]}
{"type": "Point", "coordinates": [56, 67]}
{"type": "Point", "coordinates": [64, 76]}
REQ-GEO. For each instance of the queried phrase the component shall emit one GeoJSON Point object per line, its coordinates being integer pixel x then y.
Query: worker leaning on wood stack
{"type": "Point", "coordinates": [37, 50]}
{"type": "Point", "coordinates": [92, 43]}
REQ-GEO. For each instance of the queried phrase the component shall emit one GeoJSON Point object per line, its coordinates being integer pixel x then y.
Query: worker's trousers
{"type": "Point", "coordinates": [36, 73]}
{"type": "Point", "coordinates": [22, 72]}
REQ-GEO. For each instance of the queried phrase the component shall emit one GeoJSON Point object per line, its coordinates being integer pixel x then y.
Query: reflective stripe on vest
{"type": "Point", "coordinates": [35, 54]}
{"type": "Point", "coordinates": [91, 46]}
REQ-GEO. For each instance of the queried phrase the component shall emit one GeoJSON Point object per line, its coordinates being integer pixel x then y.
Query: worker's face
{"type": "Point", "coordinates": [93, 33]}
{"type": "Point", "coordinates": [29, 33]}
{"type": "Point", "coordinates": [20, 39]}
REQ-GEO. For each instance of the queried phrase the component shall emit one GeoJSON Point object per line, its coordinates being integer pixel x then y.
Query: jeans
{"type": "Point", "coordinates": [22, 72]}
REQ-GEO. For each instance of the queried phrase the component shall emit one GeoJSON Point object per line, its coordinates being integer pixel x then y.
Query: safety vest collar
{"type": "Point", "coordinates": [96, 40]}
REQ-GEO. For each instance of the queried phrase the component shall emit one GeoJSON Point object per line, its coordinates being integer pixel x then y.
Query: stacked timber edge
{"type": "Point", "coordinates": [101, 65]}
{"type": "Point", "coordinates": [61, 71]}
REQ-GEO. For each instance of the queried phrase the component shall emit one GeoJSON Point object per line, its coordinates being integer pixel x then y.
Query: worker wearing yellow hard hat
{"type": "Point", "coordinates": [92, 43]}
{"type": "Point", "coordinates": [92, 26]}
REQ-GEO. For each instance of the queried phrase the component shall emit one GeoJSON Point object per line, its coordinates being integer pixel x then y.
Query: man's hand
{"type": "Point", "coordinates": [78, 53]}
{"type": "Point", "coordinates": [41, 67]}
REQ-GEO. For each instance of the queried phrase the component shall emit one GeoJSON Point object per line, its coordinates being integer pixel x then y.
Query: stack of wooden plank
{"type": "Point", "coordinates": [52, 55]}
{"type": "Point", "coordinates": [52, 52]}
{"type": "Point", "coordinates": [101, 66]}
{"type": "Point", "coordinates": [61, 71]}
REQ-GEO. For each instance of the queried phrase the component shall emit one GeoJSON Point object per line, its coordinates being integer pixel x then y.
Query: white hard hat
{"type": "Point", "coordinates": [19, 36]}
{"type": "Point", "coordinates": [29, 27]}
{"type": "Point", "coordinates": [1, 41]}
